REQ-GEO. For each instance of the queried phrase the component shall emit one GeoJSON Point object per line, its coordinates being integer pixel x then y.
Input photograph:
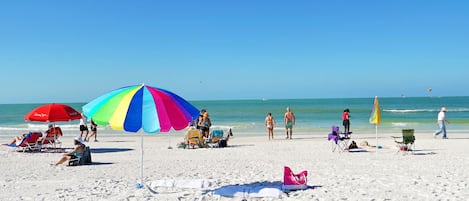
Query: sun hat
{"type": "Point", "coordinates": [78, 139]}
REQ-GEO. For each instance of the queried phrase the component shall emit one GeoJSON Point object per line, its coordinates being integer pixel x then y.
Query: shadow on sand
{"type": "Point", "coordinates": [109, 150]}
{"type": "Point", "coordinates": [258, 189]}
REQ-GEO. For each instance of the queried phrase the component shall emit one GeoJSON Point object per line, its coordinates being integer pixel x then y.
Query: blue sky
{"type": "Point", "coordinates": [74, 51]}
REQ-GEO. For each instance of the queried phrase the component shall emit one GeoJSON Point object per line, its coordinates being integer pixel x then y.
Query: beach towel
{"type": "Point", "coordinates": [250, 191]}
{"type": "Point", "coordinates": [181, 183]}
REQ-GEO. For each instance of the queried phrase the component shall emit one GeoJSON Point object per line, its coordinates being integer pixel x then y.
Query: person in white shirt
{"type": "Point", "coordinates": [441, 123]}
{"type": "Point", "coordinates": [83, 126]}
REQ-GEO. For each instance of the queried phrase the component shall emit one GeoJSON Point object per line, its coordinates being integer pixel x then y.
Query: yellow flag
{"type": "Point", "coordinates": [375, 117]}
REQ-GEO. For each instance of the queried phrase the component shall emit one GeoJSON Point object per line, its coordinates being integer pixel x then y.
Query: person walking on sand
{"type": "Point", "coordinates": [289, 120]}
{"type": "Point", "coordinates": [94, 130]}
{"type": "Point", "coordinates": [83, 126]}
{"type": "Point", "coordinates": [270, 124]}
{"type": "Point", "coordinates": [441, 123]}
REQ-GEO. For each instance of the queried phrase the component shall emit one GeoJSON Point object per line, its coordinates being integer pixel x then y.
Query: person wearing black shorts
{"type": "Point", "coordinates": [94, 130]}
{"type": "Point", "coordinates": [83, 127]}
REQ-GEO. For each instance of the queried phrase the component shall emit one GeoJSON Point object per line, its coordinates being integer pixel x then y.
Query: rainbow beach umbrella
{"type": "Point", "coordinates": [141, 107]}
{"type": "Point", "coordinates": [144, 107]}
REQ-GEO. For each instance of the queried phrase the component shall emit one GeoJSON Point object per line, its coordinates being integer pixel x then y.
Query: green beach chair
{"type": "Point", "coordinates": [407, 142]}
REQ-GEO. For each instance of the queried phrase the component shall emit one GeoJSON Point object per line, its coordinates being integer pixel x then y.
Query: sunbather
{"type": "Point", "coordinates": [16, 140]}
{"type": "Point", "coordinates": [75, 153]}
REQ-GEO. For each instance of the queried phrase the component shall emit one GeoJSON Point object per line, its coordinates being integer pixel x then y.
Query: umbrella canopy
{"type": "Point", "coordinates": [144, 107]}
{"type": "Point", "coordinates": [52, 113]}
{"type": "Point", "coordinates": [137, 107]}
{"type": "Point", "coordinates": [375, 117]}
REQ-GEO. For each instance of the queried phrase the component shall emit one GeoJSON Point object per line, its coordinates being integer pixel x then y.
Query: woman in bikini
{"type": "Point", "coordinates": [270, 124]}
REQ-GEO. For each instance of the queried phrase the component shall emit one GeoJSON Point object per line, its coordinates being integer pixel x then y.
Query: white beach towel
{"type": "Point", "coordinates": [181, 183]}
{"type": "Point", "coordinates": [249, 191]}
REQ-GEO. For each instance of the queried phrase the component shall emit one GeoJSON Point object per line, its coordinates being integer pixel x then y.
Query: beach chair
{"type": "Point", "coordinates": [292, 181]}
{"type": "Point", "coordinates": [406, 143]}
{"type": "Point", "coordinates": [340, 141]}
{"type": "Point", "coordinates": [219, 138]}
{"type": "Point", "coordinates": [51, 138]}
{"type": "Point", "coordinates": [193, 138]}
{"type": "Point", "coordinates": [30, 142]}
{"type": "Point", "coordinates": [85, 159]}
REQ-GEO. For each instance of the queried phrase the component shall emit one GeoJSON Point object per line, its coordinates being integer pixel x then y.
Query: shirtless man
{"type": "Point", "coordinates": [270, 124]}
{"type": "Point", "coordinates": [289, 120]}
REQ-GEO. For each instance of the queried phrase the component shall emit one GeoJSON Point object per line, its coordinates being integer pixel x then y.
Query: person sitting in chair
{"type": "Point", "coordinates": [77, 152]}
{"type": "Point", "coordinates": [17, 140]}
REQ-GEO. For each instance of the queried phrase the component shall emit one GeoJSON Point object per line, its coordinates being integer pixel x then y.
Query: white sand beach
{"type": "Point", "coordinates": [437, 170]}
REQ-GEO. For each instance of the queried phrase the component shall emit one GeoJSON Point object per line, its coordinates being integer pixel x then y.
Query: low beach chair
{"type": "Point", "coordinates": [340, 141]}
{"type": "Point", "coordinates": [30, 142]}
{"type": "Point", "coordinates": [193, 138]}
{"type": "Point", "coordinates": [405, 144]}
{"type": "Point", "coordinates": [292, 181]}
{"type": "Point", "coordinates": [219, 138]}
{"type": "Point", "coordinates": [85, 159]}
{"type": "Point", "coordinates": [51, 138]}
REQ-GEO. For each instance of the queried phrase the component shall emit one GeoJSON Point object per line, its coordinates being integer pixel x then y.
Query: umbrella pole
{"type": "Point", "coordinates": [141, 161]}
{"type": "Point", "coordinates": [140, 185]}
{"type": "Point", "coordinates": [376, 127]}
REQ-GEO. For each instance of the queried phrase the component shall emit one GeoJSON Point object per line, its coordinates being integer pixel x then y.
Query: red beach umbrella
{"type": "Point", "coordinates": [52, 113]}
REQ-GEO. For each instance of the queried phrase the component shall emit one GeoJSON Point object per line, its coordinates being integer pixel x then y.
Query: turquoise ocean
{"type": "Point", "coordinates": [314, 116]}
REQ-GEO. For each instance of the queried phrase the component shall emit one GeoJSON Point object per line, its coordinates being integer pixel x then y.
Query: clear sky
{"type": "Point", "coordinates": [74, 51]}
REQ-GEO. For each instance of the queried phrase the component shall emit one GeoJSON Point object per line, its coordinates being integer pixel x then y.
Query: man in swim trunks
{"type": "Point", "coordinates": [289, 120]}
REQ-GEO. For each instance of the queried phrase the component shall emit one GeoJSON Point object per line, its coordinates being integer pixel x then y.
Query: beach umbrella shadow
{"type": "Point", "coordinates": [254, 190]}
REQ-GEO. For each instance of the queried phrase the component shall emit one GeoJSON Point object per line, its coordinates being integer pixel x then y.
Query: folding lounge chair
{"type": "Point", "coordinates": [30, 142]}
{"type": "Point", "coordinates": [340, 141]}
{"type": "Point", "coordinates": [52, 137]}
{"type": "Point", "coordinates": [292, 181]}
{"type": "Point", "coordinates": [193, 137]}
{"type": "Point", "coordinates": [85, 159]}
{"type": "Point", "coordinates": [407, 142]}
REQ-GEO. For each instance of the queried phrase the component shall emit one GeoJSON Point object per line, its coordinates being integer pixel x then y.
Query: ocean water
{"type": "Point", "coordinates": [312, 115]}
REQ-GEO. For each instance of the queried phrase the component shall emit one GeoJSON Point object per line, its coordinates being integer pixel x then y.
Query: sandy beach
{"type": "Point", "coordinates": [437, 170]}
